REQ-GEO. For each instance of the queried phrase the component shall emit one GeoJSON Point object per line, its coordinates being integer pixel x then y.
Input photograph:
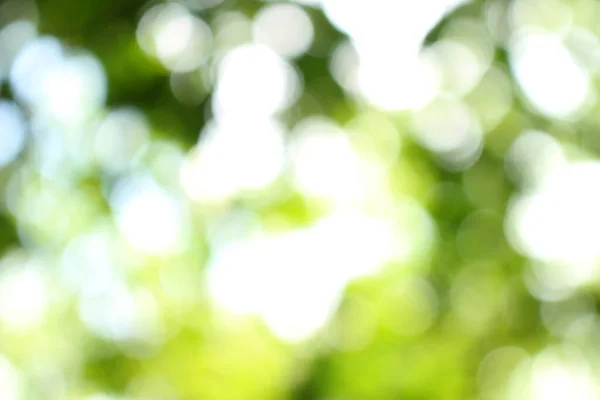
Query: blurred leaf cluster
{"type": "Point", "coordinates": [245, 199]}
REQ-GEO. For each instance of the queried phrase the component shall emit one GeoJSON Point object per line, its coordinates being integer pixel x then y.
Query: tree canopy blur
{"type": "Point", "coordinates": [299, 200]}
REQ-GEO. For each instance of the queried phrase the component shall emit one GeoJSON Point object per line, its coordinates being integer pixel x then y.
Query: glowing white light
{"type": "Point", "coordinates": [150, 219]}
{"type": "Point", "coordinates": [533, 156]}
{"type": "Point", "coordinates": [119, 137]}
{"type": "Point", "coordinates": [122, 314]}
{"type": "Point", "coordinates": [344, 65]}
{"type": "Point", "coordinates": [294, 280]}
{"type": "Point", "coordinates": [32, 66]}
{"type": "Point", "coordinates": [12, 132]}
{"type": "Point", "coordinates": [11, 381]}
{"type": "Point", "coordinates": [182, 44]}
{"type": "Point", "coordinates": [555, 379]}
{"type": "Point", "coordinates": [461, 67]}
{"type": "Point", "coordinates": [558, 225]}
{"type": "Point", "coordinates": [88, 265]}
{"type": "Point", "coordinates": [181, 41]}
{"type": "Point", "coordinates": [64, 89]}
{"type": "Point", "coordinates": [561, 221]}
{"type": "Point", "coordinates": [449, 128]}
{"type": "Point", "coordinates": [23, 298]}
{"type": "Point", "coordinates": [253, 80]}
{"type": "Point", "coordinates": [234, 155]}
{"type": "Point", "coordinates": [75, 89]}
{"type": "Point", "coordinates": [12, 38]}
{"type": "Point", "coordinates": [172, 37]}
{"type": "Point", "coordinates": [285, 28]}
{"type": "Point", "coordinates": [396, 81]}
{"type": "Point", "coordinates": [326, 165]}
{"type": "Point", "coordinates": [538, 60]}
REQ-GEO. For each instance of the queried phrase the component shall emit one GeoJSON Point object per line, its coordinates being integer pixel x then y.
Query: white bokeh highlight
{"type": "Point", "coordinates": [12, 132]}
{"type": "Point", "coordinates": [295, 280]}
{"type": "Point", "coordinates": [285, 28]}
{"type": "Point", "coordinates": [549, 76]}
{"type": "Point", "coordinates": [150, 219]}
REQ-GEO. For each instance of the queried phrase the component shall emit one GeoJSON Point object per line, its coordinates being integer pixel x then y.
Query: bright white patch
{"type": "Point", "coordinates": [396, 83]}
{"type": "Point", "coordinates": [23, 297]}
{"type": "Point", "coordinates": [12, 132]}
{"type": "Point", "coordinates": [533, 156]}
{"type": "Point", "coordinates": [12, 38]}
{"type": "Point", "coordinates": [294, 280]}
{"type": "Point", "coordinates": [326, 166]}
{"type": "Point", "coordinates": [181, 41]}
{"type": "Point", "coordinates": [552, 80]}
{"type": "Point", "coordinates": [344, 66]}
{"type": "Point", "coordinates": [150, 219]}
{"type": "Point", "coordinates": [461, 66]}
{"type": "Point", "coordinates": [388, 37]}
{"type": "Point", "coordinates": [554, 378]}
{"type": "Point", "coordinates": [11, 382]}
{"type": "Point", "coordinates": [562, 221]}
{"type": "Point", "coordinates": [33, 65]}
{"type": "Point", "coordinates": [449, 128]}
{"type": "Point", "coordinates": [233, 155]}
{"type": "Point", "coordinates": [122, 314]}
{"type": "Point", "coordinates": [89, 263]}
{"type": "Point", "coordinates": [119, 137]}
{"type": "Point", "coordinates": [254, 81]}
{"type": "Point", "coordinates": [63, 89]}
{"type": "Point", "coordinates": [285, 28]}
{"type": "Point", "coordinates": [559, 225]}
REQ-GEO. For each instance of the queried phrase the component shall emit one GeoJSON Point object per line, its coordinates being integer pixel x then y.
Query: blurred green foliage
{"type": "Point", "coordinates": [453, 320]}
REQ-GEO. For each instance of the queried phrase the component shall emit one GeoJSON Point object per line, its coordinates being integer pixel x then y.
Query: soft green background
{"type": "Point", "coordinates": [476, 337]}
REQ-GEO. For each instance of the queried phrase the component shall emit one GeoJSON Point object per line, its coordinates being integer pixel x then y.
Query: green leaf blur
{"type": "Point", "coordinates": [299, 200]}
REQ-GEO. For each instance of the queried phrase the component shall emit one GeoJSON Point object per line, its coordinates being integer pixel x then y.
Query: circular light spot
{"type": "Point", "coordinates": [449, 128]}
{"type": "Point", "coordinates": [533, 157]}
{"type": "Point", "coordinates": [253, 80]}
{"type": "Point", "coordinates": [285, 28]}
{"type": "Point", "coordinates": [151, 220]}
{"type": "Point", "coordinates": [550, 77]}
{"type": "Point", "coordinates": [233, 155]}
{"type": "Point", "coordinates": [120, 136]}
{"type": "Point", "coordinates": [344, 66]}
{"type": "Point", "coordinates": [12, 39]}
{"type": "Point", "coordinates": [23, 298]}
{"type": "Point", "coordinates": [181, 41]}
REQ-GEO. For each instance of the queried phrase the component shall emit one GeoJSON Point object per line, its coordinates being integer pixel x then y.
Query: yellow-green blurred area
{"type": "Point", "coordinates": [299, 200]}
